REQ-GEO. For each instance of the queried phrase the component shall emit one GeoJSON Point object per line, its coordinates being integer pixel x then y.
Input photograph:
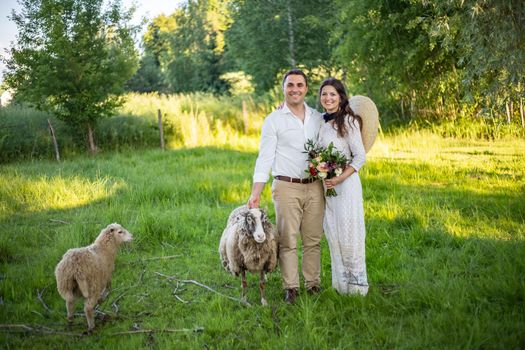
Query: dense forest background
{"type": "Point", "coordinates": [428, 59]}
{"type": "Point", "coordinates": [456, 67]}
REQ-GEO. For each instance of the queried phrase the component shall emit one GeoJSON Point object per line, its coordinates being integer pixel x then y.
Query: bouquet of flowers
{"type": "Point", "coordinates": [324, 163]}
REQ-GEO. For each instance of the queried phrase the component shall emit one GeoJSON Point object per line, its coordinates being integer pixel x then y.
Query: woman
{"type": "Point", "coordinates": [344, 221]}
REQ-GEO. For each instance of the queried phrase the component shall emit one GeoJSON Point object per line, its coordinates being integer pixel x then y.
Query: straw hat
{"type": "Point", "coordinates": [367, 110]}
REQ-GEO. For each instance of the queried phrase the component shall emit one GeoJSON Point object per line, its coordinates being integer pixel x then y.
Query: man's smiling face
{"type": "Point", "coordinates": [295, 90]}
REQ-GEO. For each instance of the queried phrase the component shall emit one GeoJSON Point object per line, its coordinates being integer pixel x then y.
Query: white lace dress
{"type": "Point", "coordinates": [344, 220]}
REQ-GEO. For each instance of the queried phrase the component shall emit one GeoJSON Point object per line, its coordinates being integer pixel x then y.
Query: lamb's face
{"type": "Point", "coordinates": [120, 233]}
{"type": "Point", "coordinates": [254, 220]}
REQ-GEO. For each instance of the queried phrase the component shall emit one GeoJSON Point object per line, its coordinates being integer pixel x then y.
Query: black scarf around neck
{"type": "Point", "coordinates": [329, 116]}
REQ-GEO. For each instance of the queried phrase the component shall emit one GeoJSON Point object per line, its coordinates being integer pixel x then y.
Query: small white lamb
{"type": "Point", "coordinates": [86, 272]}
{"type": "Point", "coordinates": [249, 243]}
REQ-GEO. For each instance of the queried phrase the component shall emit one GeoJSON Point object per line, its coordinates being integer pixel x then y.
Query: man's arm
{"type": "Point", "coordinates": [264, 162]}
{"type": "Point", "coordinates": [255, 197]}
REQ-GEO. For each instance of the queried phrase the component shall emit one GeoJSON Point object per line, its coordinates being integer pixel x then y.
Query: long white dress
{"type": "Point", "coordinates": [344, 220]}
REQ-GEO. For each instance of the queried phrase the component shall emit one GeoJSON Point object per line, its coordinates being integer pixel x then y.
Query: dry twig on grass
{"type": "Point", "coordinates": [60, 221]}
{"type": "Point", "coordinates": [180, 299]}
{"type": "Point", "coordinates": [172, 278]}
{"type": "Point", "coordinates": [162, 257]}
{"type": "Point", "coordinates": [114, 303]}
{"type": "Point", "coordinates": [23, 328]}
{"type": "Point", "coordinates": [167, 330]}
{"type": "Point", "coordinates": [40, 297]}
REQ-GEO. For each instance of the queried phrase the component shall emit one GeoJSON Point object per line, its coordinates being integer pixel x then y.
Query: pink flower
{"type": "Point", "coordinates": [323, 167]}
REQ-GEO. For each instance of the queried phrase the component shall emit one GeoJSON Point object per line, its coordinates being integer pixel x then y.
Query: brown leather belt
{"type": "Point", "coordinates": [294, 180]}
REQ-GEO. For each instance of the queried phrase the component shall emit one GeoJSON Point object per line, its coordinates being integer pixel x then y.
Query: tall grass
{"type": "Point", "coordinates": [191, 120]}
{"type": "Point", "coordinates": [445, 245]}
{"type": "Point", "coordinates": [188, 121]}
{"type": "Point", "coordinates": [468, 128]}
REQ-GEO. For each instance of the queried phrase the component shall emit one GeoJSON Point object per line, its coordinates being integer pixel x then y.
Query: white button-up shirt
{"type": "Point", "coordinates": [283, 137]}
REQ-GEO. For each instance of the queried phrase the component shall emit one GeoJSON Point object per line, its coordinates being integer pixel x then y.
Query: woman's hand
{"type": "Point", "coordinates": [334, 181]}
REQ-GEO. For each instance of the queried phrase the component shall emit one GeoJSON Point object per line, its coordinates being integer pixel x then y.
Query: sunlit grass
{"type": "Point", "coordinates": [200, 119]}
{"type": "Point", "coordinates": [445, 244]}
{"type": "Point", "coordinates": [19, 194]}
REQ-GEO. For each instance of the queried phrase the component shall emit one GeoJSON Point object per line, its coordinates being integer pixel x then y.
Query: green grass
{"type": "Point", "coordinates": [445, 250]}
{"type": "Point", "coordinates": [197, 119]}
{"type": "Point", "coordinates": [189, 120]}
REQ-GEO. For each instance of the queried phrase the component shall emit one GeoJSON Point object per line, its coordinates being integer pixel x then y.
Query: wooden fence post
{"type": "Point", "coordinates": [161, 130]}
{"type": "Point", "coordinates": [55, 143]}
{"type": "Point", "coordinates": [521, 113]}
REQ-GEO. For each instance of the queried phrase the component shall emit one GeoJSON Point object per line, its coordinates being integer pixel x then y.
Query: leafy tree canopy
{"type": "Point", "coordinates": [72, 58]}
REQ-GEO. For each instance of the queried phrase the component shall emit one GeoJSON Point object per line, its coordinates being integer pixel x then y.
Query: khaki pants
{"type": "Point", "coordinates": [299, 211]}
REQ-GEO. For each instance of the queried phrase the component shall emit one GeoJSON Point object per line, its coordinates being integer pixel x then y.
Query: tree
{"type": "Point", "coordinates": [492, 50]}
{"type": "Point", "coordinates": [432, 56]}
{"type": "Point", "coordinates": [72, 58]}
{"type": "Point", "coordinates": [197, 47]}
{"type": "Point", "coordinates": [399, 52]}
{"type": "Point", "coordinates": [188, 46]}
{"type": "Point", "coordinates": [268, 37]}
{"type": "Point", "coordinates": [148, 77]}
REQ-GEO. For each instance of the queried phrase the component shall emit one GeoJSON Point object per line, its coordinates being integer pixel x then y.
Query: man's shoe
{"type": "Point", "coordinates": [290, 295]}
{"type": "Point", "coordinates": [314, 290]}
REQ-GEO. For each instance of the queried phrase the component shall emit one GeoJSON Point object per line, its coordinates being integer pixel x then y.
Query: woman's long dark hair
{"type": "Point", "coordinates": [344, 107]}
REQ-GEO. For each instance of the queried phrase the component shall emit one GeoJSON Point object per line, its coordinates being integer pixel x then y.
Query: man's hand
{"type": "Point", "coordinates": [255, 197]}
{"type": "Point", "coordinates": [254, 202]}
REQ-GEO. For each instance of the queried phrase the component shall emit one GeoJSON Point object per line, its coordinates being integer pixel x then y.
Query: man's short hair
{"type": "Point", "coordinates": [295, 72]}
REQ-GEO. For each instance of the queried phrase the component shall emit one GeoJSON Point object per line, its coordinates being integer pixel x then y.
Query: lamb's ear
{"type": "Point", "coordinates": [264, 217]}
{"type": "Point", "coordinates": [247, 217]}
{"type": "Point", "coordinates": [249, 221]}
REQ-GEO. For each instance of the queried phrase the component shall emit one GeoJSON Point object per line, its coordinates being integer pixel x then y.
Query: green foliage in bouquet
{"type": "Point", "coordinates": [324, 163]}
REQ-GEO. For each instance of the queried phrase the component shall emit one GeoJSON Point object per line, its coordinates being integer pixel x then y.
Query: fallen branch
{"type": "Point", "coordinates": [170, 278]}
{"type": "Point", "coordinates": [162, 257]}
{"type": "Point", "coordinates": [180, 299]}
{"type": "Point", "coordinates": [114, 303]}
{"type": "Point", "coordinates": [167, 330]}
{"type": "Point", "coordinates": [60, 221]}
{"type": "Point", "coordinates": [39, 296]}
{"type": "Point", "coordinates": [38, 313]}
{"type": "Point", "coordinates": [36, 329]}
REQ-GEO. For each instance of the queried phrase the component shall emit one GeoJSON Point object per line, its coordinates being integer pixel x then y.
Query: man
{"type": "Point", "coordinates": [299, 202]}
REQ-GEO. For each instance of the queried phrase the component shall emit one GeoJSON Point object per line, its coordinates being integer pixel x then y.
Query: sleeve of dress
{"type": "Point", "coordinates": [267, 148]}
{"type": "Point", "coordinates": [355, 143]}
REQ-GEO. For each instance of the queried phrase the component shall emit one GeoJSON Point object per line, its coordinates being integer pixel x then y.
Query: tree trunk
{"type": "Point", "coordinates": [521, 113]}
{"type": "Point", "coordinates": [91, 139]}
{"type": "Point", "coordinates": [413, 104]}
{"type": "Point", "coordinates": [55, 143]}
{"type": "Point", "coordinates": [507, 110]}
{"type": "Point", "coordinates": [511, 109]}
{"type": "Point", "coordinates": [290, 34]}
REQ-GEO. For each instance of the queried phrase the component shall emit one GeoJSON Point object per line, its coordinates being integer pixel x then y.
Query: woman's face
{"type": "Point", "coordinates": [330, 99]}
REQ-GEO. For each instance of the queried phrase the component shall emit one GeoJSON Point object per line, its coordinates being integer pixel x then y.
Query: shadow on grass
{"type": "Point", "coordinates": [424, 277]}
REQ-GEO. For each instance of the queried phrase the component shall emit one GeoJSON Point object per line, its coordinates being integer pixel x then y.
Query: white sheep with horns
{"type": "Point", "coordinates": [249, 243]}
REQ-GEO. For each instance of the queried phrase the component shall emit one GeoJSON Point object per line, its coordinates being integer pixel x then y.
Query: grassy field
{"type": "Point", "coordinates": [189, 120]}
{"type": "Point", "coordinates": [445, 251]}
